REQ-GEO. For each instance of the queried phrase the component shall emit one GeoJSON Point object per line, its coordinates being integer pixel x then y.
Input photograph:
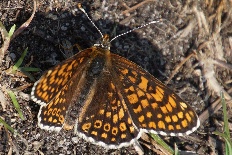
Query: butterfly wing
{"type": "Point", "coordinates": [125, 100]}
{"type": "Point", "coordinates": [50, 90]}
{"type": "Point", "coordinates": [111, 99]}
{"type": "Point", "coordinates": [151, 104]}
{"type": "Point", "coordinates": [106, 120]}
{"type": "Point", "coordinates": [53, 80]}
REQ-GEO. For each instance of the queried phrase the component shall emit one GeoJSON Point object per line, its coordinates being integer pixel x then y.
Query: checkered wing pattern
{"type": "Point", "coordinates": [50, 91]}
{"type": "Point", "coordinates": [125, 101]}
{"type": "Point", "coordinates": [106, 120]}
{"type": "Point", "coordinates": [111, 99]}
{"type": "Point", "coordinates": [151, 104]}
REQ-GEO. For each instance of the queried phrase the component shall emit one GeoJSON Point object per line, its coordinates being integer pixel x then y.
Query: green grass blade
{"type": "Point", "coordinates": [162, 143]}
{"type": "Point", "coordinates": [12, 29]}
{"type": "Point", "coordinates": [16, 104]}
{"type": "Point", "coordinates": [6, 125]}
{"type": "Point", "coordinates": [226, 134]}
{"type": "Point", "coordinates": [227, 138]}
{"type": "Point", "coordinates": [225, 116]}
{"type": "Point", "coordinates": [4, 31]}
{"type": "Point", "coordinates": [21, 69]}
{"type": "Point", "coordinates": [228, 144]}
{"type": "Point", "coordinates": [176, 151]}
{"type": "Point", "coordinates": [19, 62]}
{"type": "Point", "coordinates": [30, 69]}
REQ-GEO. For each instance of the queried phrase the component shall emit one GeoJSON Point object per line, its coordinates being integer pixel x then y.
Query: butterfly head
{"type": "Point", "coordinates": [103, 42]}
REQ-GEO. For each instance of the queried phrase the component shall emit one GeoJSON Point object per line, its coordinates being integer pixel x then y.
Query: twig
{"type": "Point", "coordinates": [137, 6]}
{"type": "Point", "coordinates": [178, 67]}
{"type": "Point", "coordinates": [213, 108]}
{"type": "Point", "coordinates": [25, 25]}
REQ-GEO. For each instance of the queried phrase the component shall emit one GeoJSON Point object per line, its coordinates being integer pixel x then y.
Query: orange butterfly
{"type": "Point", "coordinates": [110, 99]}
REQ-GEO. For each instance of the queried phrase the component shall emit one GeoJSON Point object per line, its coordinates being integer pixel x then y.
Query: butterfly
{"type": "Point", "coordinates": [110, 99]}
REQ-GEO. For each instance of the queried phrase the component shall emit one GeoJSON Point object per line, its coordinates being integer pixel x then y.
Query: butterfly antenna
{"type": "Point", "coordinates": [83, 10]}
{"type": "Point", "coordinates": [152, 22]}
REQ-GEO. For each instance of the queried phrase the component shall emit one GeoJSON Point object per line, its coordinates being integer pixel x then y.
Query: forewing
{"type": "Point", "coordinates": [55, 79]}
{"type": "Point", "coordinates": [152, 105]}
{"type": "Point", "coordinates": [55, 89]}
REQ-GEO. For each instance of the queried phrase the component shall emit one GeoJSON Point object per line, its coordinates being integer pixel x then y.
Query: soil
{"type": "Point", "coordinates": [198, 30]}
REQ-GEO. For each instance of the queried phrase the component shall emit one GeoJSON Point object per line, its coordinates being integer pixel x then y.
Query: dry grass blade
{"type": "Point", "coordinates": [3, 100]}
{"type": "Point", "coordinates": [213, 108]}
{"type": "Point", "coordinates": [136, 6]}
{"type": "Point", "coordinates": [25, 25]}
{"type": "Point", "coordinates": [178, 67]}
{"type": "Point", "coordinates": [6, 40]}
{"type": "Point", "coordinates": [7, 37]}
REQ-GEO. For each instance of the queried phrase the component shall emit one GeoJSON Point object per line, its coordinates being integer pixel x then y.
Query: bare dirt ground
{"type": "Point", "coordinates": [198, 30]}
